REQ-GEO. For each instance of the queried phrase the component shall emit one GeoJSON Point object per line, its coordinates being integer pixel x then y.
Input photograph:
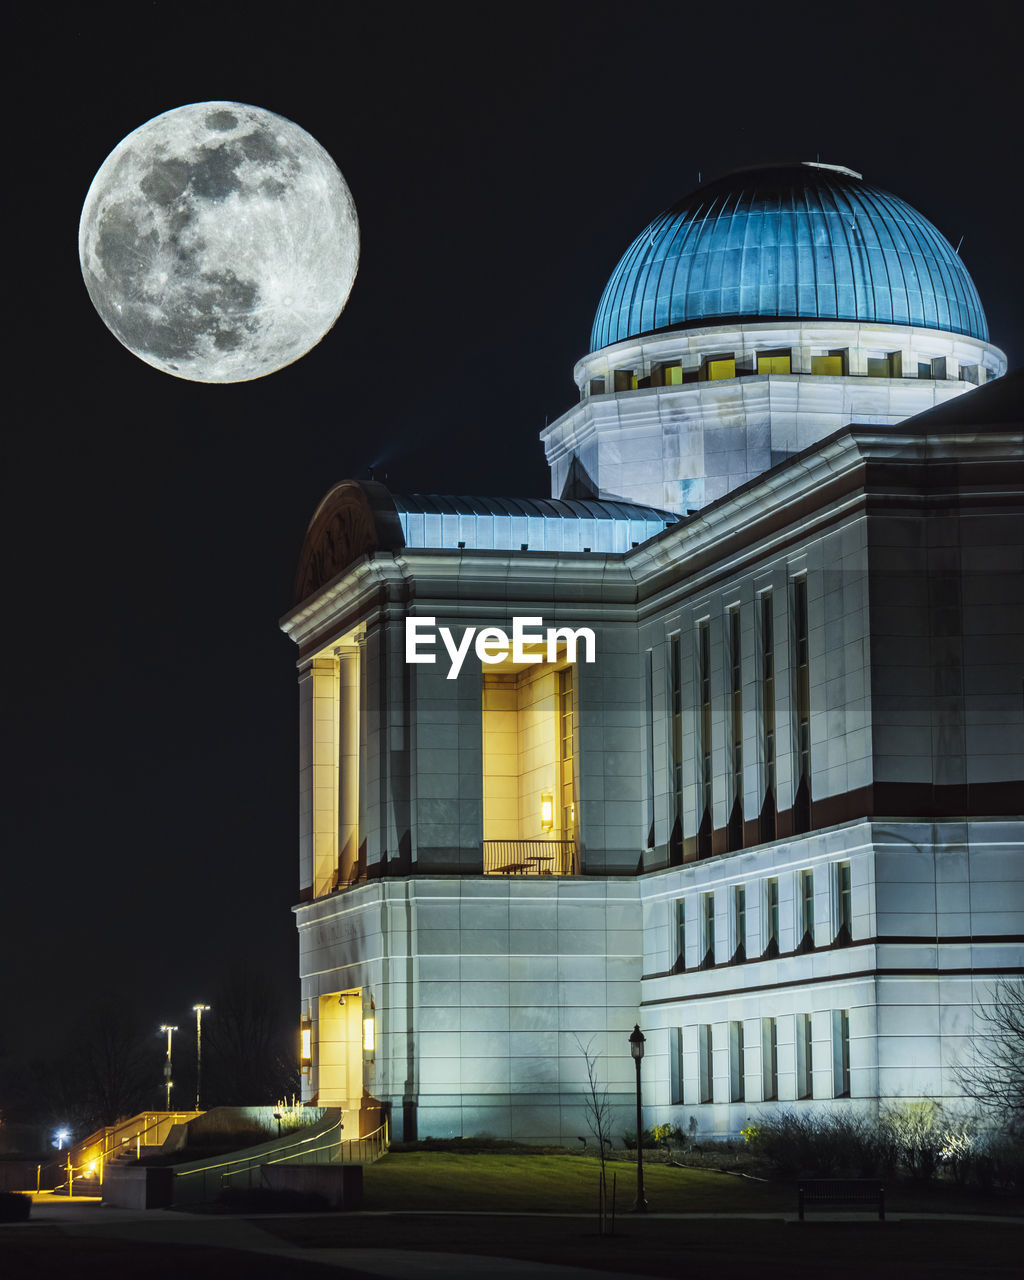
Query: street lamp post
{"type": "Point", "coordinates": [636, 1048]}
{"type": "Point", "coordinates": [199, 1010]}
{"type": "Point", "coordinates": [168, 1082]}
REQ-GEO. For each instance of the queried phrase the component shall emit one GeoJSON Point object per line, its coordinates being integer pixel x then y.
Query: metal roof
{"type": "Point", "coordinates": [540, 524]}
{"type": "Point", "coordinates": [788, 242]}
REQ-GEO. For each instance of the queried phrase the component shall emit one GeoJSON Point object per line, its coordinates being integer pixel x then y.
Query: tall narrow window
{"type": "Point", "coordinates": [769, 1059]}
{"type": "Point", "coordinates": [567, 753]}
{"type": "Point", "coordinates": [770, 907]}
{"type": "Point", "coordinates": [739, 914]}
{"type": "Point", "coordinates": [804, 1057]}
{"type": "Point", "coordinates": [806, 907]}
{"type": "Point", "coordinates": [841, 1053]}
{"type": "Point", "coordinates": [704, 679]}
{"type": "Point", "coordinates": [736, 1063]}
{"type": "Point", "coordinates": [802, 800]}
{"type": "Point", "coordinates": [767, 818]}
{"type": "Point", "coordinates": [844, 904]}
{"type": "Point", "coordinates": [707, 904]}
{"type": "Point", "coordinates": [736, 730]}
{"type": "Point", "coordinates": [676, 709]}
{"type": "Point", "coordinates": [649, 720]}
{"type": "Point", "coordinates": [705, 1060]}
{"type": "Point", "coordinates": [680, 963]}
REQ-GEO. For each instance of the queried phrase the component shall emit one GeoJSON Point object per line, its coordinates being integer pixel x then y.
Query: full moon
{"type": "Point", "coordinates": [219, 242]}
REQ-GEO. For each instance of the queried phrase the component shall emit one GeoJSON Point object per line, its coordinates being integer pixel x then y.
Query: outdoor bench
{"type": "Point", "coordinates": [830, 1191]}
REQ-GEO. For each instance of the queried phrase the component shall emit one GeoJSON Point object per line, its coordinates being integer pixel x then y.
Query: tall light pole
{"type": "Point", "coordinates": [168, 1082]}
{"type": "Point", "coordinates": [199, 1010]}
{"type": "Point", "coordinates": [636, 1048]}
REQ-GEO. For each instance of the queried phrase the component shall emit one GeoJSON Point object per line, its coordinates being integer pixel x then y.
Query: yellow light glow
{"type": "Point", "coordinates": [547, 811]}
{"type": "Point", "coordinates": [91, 1169]}
{"type": "Point", "coordinates": [368, 1035]}
{"type": "Point", "coordinates": [306, 1050]}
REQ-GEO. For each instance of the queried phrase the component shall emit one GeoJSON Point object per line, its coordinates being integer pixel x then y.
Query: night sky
{"type": "Point", "coordinates": [501, 159]}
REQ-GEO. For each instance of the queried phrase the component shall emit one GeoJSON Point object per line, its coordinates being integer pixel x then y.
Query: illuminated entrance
{"type": "Point", "coordinates": [343, 1031]}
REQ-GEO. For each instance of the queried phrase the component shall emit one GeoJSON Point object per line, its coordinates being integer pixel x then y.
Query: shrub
{"type": "Point", "coordinates": [661, 1135]}
{"type": "Point", "coordinates": [822, 1145]}
{"type": "Point", "coordinates": [916, 1132]}
{"type": "Point", "coordinates": [998, 1162]}
{"type": "Point", "coordinates": [14, 1207]}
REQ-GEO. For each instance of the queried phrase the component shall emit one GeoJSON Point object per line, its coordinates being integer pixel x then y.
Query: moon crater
{"type": "Point", "coordinates": [219, 242]}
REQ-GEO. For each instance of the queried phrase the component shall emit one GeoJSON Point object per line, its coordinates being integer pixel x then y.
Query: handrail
{"type": "Point", "coordinates": [224, 1164]}
{"type": "Point", "coordinates": [530, 857]}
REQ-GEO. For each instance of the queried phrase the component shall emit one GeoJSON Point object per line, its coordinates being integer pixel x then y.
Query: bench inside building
{"type": "Point", "coordinates": [826, 1193]}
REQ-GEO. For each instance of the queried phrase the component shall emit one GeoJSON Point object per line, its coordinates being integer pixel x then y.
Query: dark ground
{"type": "Point", "coordinates": [723, 1247]}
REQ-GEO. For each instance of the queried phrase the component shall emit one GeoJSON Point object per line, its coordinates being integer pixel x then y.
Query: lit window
{"type": "Point", "coordinates": [624, 380]}
{"type": "Point", "coordinates": [775, 362]}
{"type": "Point", "coordinates": [720, 369]}
{"type": "Point", "coordinates": [827, 366]}
{"type": "Point", "coordinates": [672, 375]}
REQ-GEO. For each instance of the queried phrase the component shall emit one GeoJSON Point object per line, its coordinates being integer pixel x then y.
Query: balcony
{"type": "Point", "coordinates": [531, 858]}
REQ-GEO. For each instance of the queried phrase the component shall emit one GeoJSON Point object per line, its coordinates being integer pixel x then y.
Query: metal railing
{"type": "Point", "coordinates": [204, 1182]}
{"type": "Point", "coordinates": [530, 858]}
{"type": "Point", "coordinates": [87, 1160]}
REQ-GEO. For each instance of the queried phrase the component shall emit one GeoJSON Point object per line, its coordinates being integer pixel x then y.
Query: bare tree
{"type": "Point", "coordinates": [599, 1120]}
{"type": "Point", "coordinates": [994, 1076]}
{"type": "Point", "coordinates": [246, 1059]}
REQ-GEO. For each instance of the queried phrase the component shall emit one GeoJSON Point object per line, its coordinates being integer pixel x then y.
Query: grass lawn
{"type": "Point", "coordinates": [554, 1184]}
{"type": "Point", "coordinates": [514, 1183]}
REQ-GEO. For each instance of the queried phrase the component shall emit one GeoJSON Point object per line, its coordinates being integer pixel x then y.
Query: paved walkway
{"type": "Point", "coordinates": [165, 1226]}
{"type": "Point", "coordinates": [222, 1231]}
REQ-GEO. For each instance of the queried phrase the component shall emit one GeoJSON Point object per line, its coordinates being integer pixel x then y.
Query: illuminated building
{"type": "Point", "coordinates": [777, 822]}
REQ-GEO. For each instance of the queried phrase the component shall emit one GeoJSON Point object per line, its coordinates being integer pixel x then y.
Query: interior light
{"type": "Point", "coordinates": [306, 1044]}
{"type": "Point", "coordinates": [547, 811]}
{"type": "Point", "coordinates": [368, 1035]}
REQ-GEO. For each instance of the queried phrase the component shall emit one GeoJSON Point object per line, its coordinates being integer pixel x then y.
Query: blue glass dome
{"type": "Point", "coordinates": [801, 241]}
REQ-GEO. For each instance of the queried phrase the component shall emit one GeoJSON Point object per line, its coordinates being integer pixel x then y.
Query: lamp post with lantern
{"type": "Point", "coordinates": [199, 1010]}
{"type": "Point", "coordinates": [168, 1082]}
{"type": "Point", "coordinates": [636, 1048]}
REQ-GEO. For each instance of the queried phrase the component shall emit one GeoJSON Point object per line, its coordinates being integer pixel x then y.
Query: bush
{"type": "Point", "coordinates": [916, 1136]}
{"type": "Point", "coordinates": [821, 1145]}
{"type": "Point", "coordinates": [14, 1207]}
{"type": "Point", "coordinates": [661, 1135]}
{"type": "Point", "coordinates": [998, 1163]}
